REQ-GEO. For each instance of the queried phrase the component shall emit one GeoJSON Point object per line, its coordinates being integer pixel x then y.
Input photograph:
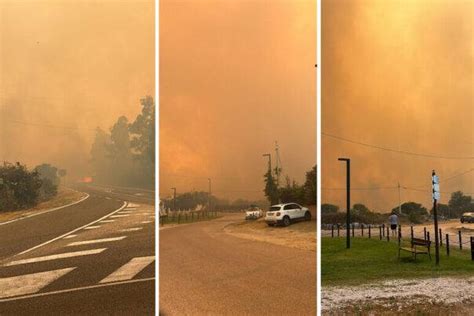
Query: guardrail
{"type": "Point", "coordinates": [181, 217]}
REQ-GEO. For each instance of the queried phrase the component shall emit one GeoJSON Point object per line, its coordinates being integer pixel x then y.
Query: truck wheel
{"type": "Point", "coordinates": [307, 216]}
{"type": "Point", "coordinates": [286, 221]}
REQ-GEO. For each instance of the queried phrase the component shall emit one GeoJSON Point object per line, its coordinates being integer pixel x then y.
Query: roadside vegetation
{"type": "Point", "coordinates": [412, 212]}
{"type": "Point", "coordinates": [125, 155]}
{"type": "Point", "coordinates": [371, 260]}
{"type": "Point", "coordinates": [21, 188]}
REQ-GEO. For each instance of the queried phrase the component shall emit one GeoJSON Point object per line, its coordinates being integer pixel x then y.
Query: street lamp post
{"type": "Point", "coordinates": [348, 192]}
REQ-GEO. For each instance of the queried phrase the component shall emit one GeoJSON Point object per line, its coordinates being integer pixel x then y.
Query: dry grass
{"type": "Point", "coordinates": [65, 196]}
{"type": "Point", "coordinates": [301, 235]}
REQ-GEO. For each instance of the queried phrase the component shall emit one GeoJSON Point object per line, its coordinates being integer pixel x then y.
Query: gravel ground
{"type": "Point", "coordinates": [401, 295]}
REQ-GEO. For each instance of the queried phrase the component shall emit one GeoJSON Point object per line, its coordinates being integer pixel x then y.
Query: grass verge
{"type": "Point", "coordinates": [65, 196]}
{"type": "Point", "coordinates": [370, 260]}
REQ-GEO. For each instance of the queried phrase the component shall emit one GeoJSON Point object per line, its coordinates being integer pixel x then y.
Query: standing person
{"type": "Point", "coordinates": [393, 220]}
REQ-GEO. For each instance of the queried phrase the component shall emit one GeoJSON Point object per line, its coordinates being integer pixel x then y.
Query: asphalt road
{"type": "Point", "coordinates": [104, 267]}
{"type": "Point", "coordinates": [204, 271]}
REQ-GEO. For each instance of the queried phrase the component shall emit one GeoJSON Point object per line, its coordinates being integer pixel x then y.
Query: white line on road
{"type": "Point", "coordinates": [55, 257]}
{"type": "Point", "coordinates": [29, 283]}
{"type": "Point", "coordinates": [129, 270]}
{"type": "Point", "coordinates": [133, 229]}
{"type": "Point", "coordinates": [73, 231]}
{"type": "Point", "coordinates": [75, 289]}
{"type": "Point", "coordinates": [146, 222]}
{"type": "Point", "coordinates": [70, 236]}
{"type": "Point", "coordinates": [96, 241]}
{"type": "Point", "coordinates": [125, 212]}
{"type": "Point", "coordinates": [107, 221]}
{"type": "Point", "coordinates": [118, 216]}
{"type": "Point", "coordinates": [91, 227]}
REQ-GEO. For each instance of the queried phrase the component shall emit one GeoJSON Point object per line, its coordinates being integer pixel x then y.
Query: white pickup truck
{"type": "Point", "coordinates": [253, 212]}
{"type": "Point", "coordinates": [286, 213]}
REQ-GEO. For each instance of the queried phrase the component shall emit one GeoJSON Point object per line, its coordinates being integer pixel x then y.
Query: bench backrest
{"type": "Point", "coordinates": [420, 242]}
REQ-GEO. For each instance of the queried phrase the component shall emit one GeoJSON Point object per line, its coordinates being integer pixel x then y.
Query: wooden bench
{"type": "Point", "coordinates": [416, 244]}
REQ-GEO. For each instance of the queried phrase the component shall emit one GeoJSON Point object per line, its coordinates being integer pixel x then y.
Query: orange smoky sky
{"type": "Point", "coordinates": [397, 74]}
{"type": "Point", "coordinates": [67, 67]}
{"type": "Point", "coordinates": [235, 76]}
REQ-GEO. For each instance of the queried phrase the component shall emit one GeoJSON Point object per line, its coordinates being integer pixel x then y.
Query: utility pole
{"type": "Point", "coordinates": [209, 196]}
{"type": "Point", "coordinates": [278, 164]}
{"type": "Point", "coordinates": [174, 199]}
{"type": "Point", "coordinates": [436, 196]}
{"type": "Point", "coordinates": [348, 189]}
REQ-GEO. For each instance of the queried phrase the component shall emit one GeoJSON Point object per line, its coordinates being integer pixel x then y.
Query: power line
{"type": "Point", "coordinates": [361, 189]}
{"type": "Point", "coordinates": [395, 150]}
{"type": "Point", "coordinates": [50, 126]}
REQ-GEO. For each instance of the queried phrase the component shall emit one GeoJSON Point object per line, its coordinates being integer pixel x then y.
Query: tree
{"type": "Point", "coordinates": [360, 210]}
{"type": "Point", "coordinates": [120, 152]}
{"type": "Point", "coordinates": [442, 210]}
{"type": "Point", "coordinates": [416, 212]}
{"type": "Point", "coordinates": [100, 158]}
{"type": "Point", "coordinates": [329, 208]}
{"type": "Point", "coordinates": [19, 187]}
{"type": "Point", "coordinates": [310, 186]}
{"type": "Point", "coordinates": [49, 180]}
{"type": "Point", "coordinates": [271, 189]}
{"type": "Point", "coordinates": [460, 203]}
{"type": "Point", "coordinates": [292, 192]}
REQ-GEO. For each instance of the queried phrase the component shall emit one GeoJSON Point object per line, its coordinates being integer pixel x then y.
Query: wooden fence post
{"type": "Point", "coordinates": [353, 230]}
{"type": "Point", "coordinates": [440, 237]}
{"type": "Point", "coordinates": [380, 232]}
{"type": "Point", "coordinates": [411, 232]}
{"type": "Point", "coordinates": [472, 248]}
{"type": "Point", "coordinates": [332, 230]}
{"type": "Point", "coordinates": [424, 232]}
{"type": "Point", "coordinates": [428, 236]}
{"type": "Point", "coordinates": [337, 230]}
{"type": "Point", "coordinates": [460, 240]}
{"type": "Point", "coordinates": [447, 245]}
{"type": "Point", "coordinates": [383, 230]}
{"type": "Point", "coordinates": [369, 232]}
{"type": "Point", "coordinates": [362, 229]}
{"type": "Point", "coordinates": [388, 234]}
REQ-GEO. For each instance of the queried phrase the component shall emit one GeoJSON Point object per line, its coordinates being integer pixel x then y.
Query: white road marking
{"type": "Point", "coordinates": [70, 236]}
{"type": "Point", "coordinates": [74, 289]}
{"type": "Point", "coordinates": [125, 212]}
{"type": "Point", "coordinates": [47, 211]}
{"type": "Point", "coordinates": [29, 283]}
{"type": "Point", "coordinates": [108, 198]}
{"type": "Point", "coordinates": [129, 270]}
{"type": "Point", "coordinates": [72, 231]}
{"type": "Point", "coordinates": [107, 221]}
{"type": "Point", "coordinates": [55, 257]}
{"type": "Point", "coordinates": [146, 222]}
{"type": "Point", "coordinates": [133, 205]}
{"type": "Point", "coordinates": [91, 227]}
{"type": "Point", "coordinates": [95, 241]}
{"type": "Point", "coordinates": [118, 216]}
{"type": "Point", "coordinates": [133, 229]}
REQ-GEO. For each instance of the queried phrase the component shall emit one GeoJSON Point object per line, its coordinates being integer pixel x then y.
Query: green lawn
{"type": "Point", "coordinates": [370, 259]}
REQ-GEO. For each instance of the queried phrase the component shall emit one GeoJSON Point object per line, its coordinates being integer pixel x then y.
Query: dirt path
{"type": "Point", "coordinates": [300, 235]}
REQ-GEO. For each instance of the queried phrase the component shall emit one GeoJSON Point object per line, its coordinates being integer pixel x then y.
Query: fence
{"type": "Point", "coordinates": [181, 217]}
{"type": "Point", "coordinates": [461, 240]}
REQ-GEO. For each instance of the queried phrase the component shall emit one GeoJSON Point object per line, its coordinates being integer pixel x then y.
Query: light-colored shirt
{"type": "Point", "coordinates": [393, 219]}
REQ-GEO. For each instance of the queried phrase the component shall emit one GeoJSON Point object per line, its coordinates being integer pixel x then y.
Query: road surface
{"type": "Point", "coordinates": [95, 257]}
{"type": "Point", "coordinates": [204, 271]}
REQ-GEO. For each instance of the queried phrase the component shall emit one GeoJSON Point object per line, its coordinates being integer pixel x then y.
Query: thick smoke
{"type": "Point", "coordinates": [397, 74]}
{"type": "Point", "coordinates": [234, 77]}
{"type": "Point", "coordinates": [66, 68]}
